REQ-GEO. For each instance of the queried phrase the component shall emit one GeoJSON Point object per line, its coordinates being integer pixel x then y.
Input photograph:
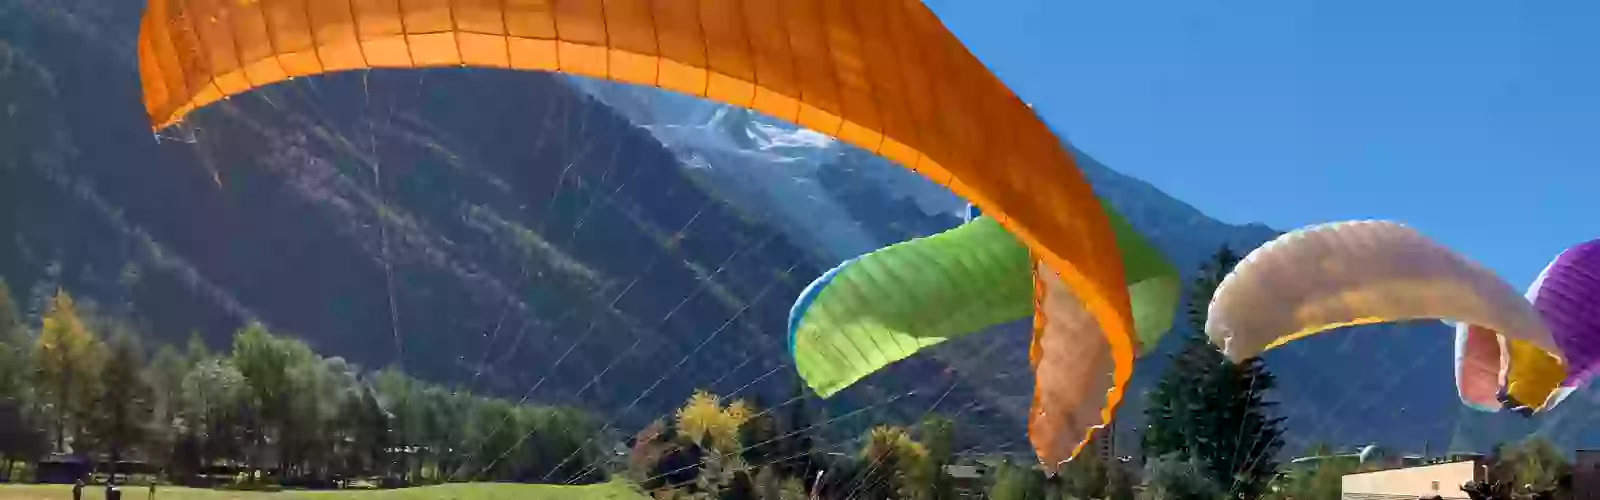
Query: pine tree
{"type": "Point", "coordinates": [1212, 411]}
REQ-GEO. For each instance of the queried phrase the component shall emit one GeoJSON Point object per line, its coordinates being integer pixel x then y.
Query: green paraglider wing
{"type": "Point", "coordinates": [884, 306]}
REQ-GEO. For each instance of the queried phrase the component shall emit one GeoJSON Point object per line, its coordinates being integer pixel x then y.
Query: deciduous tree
{"type": "Point", "coordinates": [67, 361]}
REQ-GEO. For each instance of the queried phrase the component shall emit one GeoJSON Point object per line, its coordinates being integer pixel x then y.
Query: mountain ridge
{"type": "Point", "coordinates": [1416, 353]}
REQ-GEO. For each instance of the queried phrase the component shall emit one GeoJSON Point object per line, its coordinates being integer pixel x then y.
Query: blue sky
{"type": "Point", "coordinates": [1475, 121]}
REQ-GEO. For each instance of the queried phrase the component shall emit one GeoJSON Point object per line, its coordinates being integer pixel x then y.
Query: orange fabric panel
{"type": "Point", "coordinates": [733, 74]}
{"type": "Point", "coordinates": [427, 16]}
{"type": "Point", "coordinates": [1072, 373]}
{"type": "Point", "coordinates": [381, 27]}
{"type": "Point", "coordinates": [681, 44]}
{"type": "Point", "coordinates": [630, 26]}
{"type": "Point", "coordinates": [214, 55]}
{"type": "Point", "coordinates": [290, 28]}
{"type": "Point", "coordinates": [489, 51]}
{"type": "Point", "coordinates": [581, 30]}
{"type": "Point", "coordinates": [819, 90]}
{"type": "Point", "coordinates": [333, 27]}
{"type": "Point", "coordinates": [530, 19]}
{"type": "Point", "coordinates": [857, 104]}
{"type": "Point", "coordinates": [773, 62]}
{"type": "Point", "coordinates": [882, 63]}
{"type": "Point", "coordinates": [155, 89]}
{"type": "Point", "coordinates": [882, 74]}
{"type": "Point", "coordinates": [632, 33]}
{"type": "Point", "coordinates": [164, 65]}
{"type": "Point", "coordinates": [481, 16]}
{"type": "Point", "coordinates": [256, 50]}
{"type": "Point", "coordinates": [902, 34]}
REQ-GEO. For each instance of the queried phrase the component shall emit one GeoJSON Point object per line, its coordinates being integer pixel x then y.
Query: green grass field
{"type": "Point", "coordinates": [467, 491]}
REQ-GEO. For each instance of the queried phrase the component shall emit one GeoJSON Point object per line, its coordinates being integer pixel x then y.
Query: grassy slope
{"type": "Point", "coordinates": [609, 491]}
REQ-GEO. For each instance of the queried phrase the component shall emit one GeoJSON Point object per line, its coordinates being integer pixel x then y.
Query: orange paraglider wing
{"type": "Point", "coordinates": [884, 75]}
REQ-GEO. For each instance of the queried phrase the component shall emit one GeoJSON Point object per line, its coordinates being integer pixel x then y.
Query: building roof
{"type": "Point", "coordinates": [963, 471]}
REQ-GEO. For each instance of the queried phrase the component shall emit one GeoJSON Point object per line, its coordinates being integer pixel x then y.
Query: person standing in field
{"type": "Point", "coordinates": [77, 489]}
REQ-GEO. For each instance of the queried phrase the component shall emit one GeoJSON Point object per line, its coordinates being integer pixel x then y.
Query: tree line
{"type": "Point", "coordinates": [715, 448]}
{"type": "Point", "coordinates": [83, 384]}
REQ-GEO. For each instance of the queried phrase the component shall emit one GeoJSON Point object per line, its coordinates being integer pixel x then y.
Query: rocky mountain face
{"type": "Point", "coordinates": [559, 239]}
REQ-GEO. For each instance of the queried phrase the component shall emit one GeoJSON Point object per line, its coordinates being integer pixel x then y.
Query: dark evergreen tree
{"type": "Point", "coordinates": [794, 447]}
{"type": "Point", "coordinates": [937, 433]}
{"type": "Point", "coordinates": [1212, 410]}
{"type": "Point", "coordinates": [125, 402]}
{"type": "Point", "coordinates": [1013, 482]}
{"type": "Point", "coordinates": [22, 437]}
{"type": "Point", "coordinates": [22, 434]}
{"type": "Point", "coordinates": [760, 436]}
{"type": "Point", "coordinates": [741, 488]}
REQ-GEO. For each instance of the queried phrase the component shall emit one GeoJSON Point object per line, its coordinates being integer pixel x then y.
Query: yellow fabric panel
{"type": "Point", "coordinates": [1487, 362]}
{"type": "Point", "coordinates": [1533, 376]}
{"type": "Point", "coordinates": [1333, 275]}
{"type": "Point", "coordinates": [885, 75]}
{"type": "Point", "coordinates": [1074, 379]}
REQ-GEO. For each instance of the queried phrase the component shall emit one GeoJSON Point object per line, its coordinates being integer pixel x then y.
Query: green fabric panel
{"type": "Point", "coordinates": [893, 302]}
{"type": "Point", "coordinates": [896, 301]}
{"type": "Point", "coordinates": [1154, 286]}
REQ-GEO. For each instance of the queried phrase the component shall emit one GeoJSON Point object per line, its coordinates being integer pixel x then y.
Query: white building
{"type": "Point", "coordinates": [1412, 483]}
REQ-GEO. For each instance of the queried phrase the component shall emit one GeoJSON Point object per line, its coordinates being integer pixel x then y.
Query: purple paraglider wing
{"type": "Point", "coordinates": [1567, 296]}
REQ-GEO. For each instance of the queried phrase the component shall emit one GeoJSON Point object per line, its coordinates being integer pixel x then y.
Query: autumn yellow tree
{"type": "Point", "coordinates": [704, 421]}
{"type": "Point", "coordinates": [68, 358]}
{"type": "Point", "coordinates": [896, 465]}
{"type": "Point", "coordinates": [706, 424]}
